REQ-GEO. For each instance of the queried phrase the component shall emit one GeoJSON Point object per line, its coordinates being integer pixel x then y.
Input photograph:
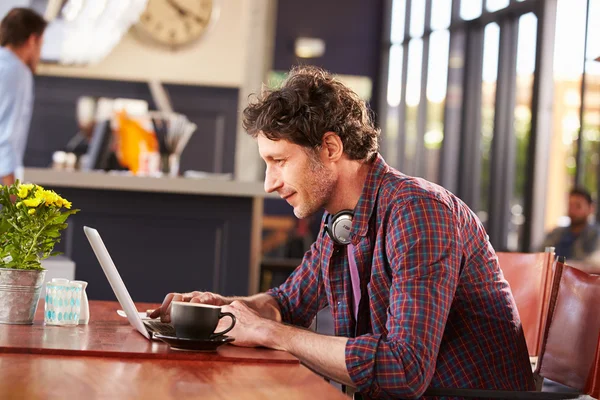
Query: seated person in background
{"type": "Point", "coordinates": [416, 293]}
{"type": "Point", "coordinates": [581, 238]}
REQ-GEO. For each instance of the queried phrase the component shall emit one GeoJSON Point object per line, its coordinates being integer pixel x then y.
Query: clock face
{"type": "Point", "coordinates": [175, 23]}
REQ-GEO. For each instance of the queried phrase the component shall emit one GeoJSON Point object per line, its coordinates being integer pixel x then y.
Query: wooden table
{"type": "Point", "coordinates": [108, 359]}
{"type": "Point", "coordinates": [109, 335]}
{"type": "Point", "coordinates": [26, 376]}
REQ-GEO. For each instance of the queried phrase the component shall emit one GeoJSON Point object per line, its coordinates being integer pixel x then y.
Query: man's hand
{"type": "Point", "coordinates": [164, 311]}
{"type": "Point", "coordinates": [250, 328]}
{"type": "Point", "coordinates": [325, 354]}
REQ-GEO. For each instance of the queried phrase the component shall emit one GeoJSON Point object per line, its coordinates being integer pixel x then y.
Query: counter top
{"type": "Point", "coordinates": [109, 335]}
{"type": "Point", "coordinates": [111, 181]}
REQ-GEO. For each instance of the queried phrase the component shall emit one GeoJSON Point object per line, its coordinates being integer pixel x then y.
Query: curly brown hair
{"type": "Point", "coordinates": [310, 103]}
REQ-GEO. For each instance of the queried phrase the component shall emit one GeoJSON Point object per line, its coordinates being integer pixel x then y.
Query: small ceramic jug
{"type": "Point", "coordinates": [84, 313]}
{"type": "Point", "coordinates": [63, 302]}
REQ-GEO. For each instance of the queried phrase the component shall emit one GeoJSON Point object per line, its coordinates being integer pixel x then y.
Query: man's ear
{"type": "Point", "coordinates": [34, 40]}
{"type": "Point", "coordinates": [332, 146]}
{"type": "Point", "coordinates": [31, 42]}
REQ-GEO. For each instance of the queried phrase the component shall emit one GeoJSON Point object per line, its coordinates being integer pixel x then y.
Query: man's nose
{"type": "Point", "coordinates": [272, 181]}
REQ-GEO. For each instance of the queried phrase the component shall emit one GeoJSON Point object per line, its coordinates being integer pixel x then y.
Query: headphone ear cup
{"type": "Point", "coordinates": [339, 227]}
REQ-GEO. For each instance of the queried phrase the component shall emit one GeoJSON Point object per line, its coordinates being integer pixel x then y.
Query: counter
{"type": "Point", "coordinates": [119, 181]}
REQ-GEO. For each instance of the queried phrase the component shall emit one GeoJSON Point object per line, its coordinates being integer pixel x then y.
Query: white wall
{"type": "Point", "coordinates": [217, 59]}
{"type": "Point", "coordinates": [7, 5]}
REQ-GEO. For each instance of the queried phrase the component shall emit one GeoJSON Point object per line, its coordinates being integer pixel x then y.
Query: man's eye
{"type": "Point", "coordinates": [279, 161]}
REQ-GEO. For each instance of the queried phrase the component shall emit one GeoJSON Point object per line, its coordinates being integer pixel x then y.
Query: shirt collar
{"type": "Point", "coordinates": [366, 203]}
{"type": "Point", "coordinates": [9, 55]}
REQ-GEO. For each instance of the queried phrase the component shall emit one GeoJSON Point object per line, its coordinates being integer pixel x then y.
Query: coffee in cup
{"type": "Point", "coordinates": [198, 321]}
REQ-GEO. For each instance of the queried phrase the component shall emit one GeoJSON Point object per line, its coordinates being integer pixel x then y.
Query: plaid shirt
{"type": "Point", "coordinates": [439, 313]}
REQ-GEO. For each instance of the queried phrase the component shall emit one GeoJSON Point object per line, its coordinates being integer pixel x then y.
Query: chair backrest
{"type": "Point", "coordinates": [593, 384]}
{"type": "Point", "coordinates": [529, 276]}
{"type": "Point", "coordinates": [570, 339]}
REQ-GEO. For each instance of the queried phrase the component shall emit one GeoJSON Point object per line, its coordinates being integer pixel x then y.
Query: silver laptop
{"type": "Point", "coordinates": [146, 327]}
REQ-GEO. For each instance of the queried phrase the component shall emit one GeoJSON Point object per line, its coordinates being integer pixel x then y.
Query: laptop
{"type": "Point", "coordinates": [147, 327]}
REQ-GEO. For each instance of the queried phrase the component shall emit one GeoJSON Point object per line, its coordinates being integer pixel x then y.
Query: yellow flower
{"type": "Point", "coordinates": [44, 196]}
{"type": "Point", "coordinates": [23, 192]}
{"type": "Point", "coordinates": [31, 211]}
{"type": "Point", "coordinates": [49, 197]}
{"type": "Point", "coordinates": [33, 202]}
{"type": "Point", "coordinates": [54, 198]}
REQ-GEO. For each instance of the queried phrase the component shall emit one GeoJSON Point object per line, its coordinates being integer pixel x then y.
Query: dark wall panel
{"type": "Point", "coordinates": [161, 242]}
{"type": "Point", "coordinates": [214, 110]}
{"type": "Point", "coordinates": [351, 30]}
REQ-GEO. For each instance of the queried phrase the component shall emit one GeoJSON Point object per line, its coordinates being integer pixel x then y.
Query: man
{"type": "Point", "coordinates": [580, 241]}
{"type": "Point", "coordinates": [21, 37]}
{"type": "Point", "coordinates": [418, 274]}
{"type": "Point", "coordinates": [581, 238]}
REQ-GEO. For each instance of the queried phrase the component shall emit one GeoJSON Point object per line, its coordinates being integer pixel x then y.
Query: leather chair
{"type": "Point", "coordinates": [529, 276]}
{"type": "Point", "coordinates": [568, 353]}
{"type": "Point", "coordinates": [593, 385]}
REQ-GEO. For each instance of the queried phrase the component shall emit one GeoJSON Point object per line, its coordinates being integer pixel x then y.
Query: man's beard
{"type": "Point", "coordinates": [578, 222]}
{"type": "Point", "coordinates": [319, 186]}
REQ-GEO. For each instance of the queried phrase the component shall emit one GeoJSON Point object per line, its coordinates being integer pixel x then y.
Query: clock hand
{"type": "Point", "coordinates": [183, 12]}
{"type": "Point", "coordinates": [177, 8]}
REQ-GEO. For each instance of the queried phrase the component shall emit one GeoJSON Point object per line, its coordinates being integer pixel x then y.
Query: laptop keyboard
{"type": "Point", "coordinates": [160, 327]}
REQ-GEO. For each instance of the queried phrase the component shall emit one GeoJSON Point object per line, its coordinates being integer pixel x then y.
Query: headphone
{"type": "Point", "coordinates": [339, 226]}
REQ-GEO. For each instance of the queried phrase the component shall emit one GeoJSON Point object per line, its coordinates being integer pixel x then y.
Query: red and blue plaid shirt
{"type": "Point", "coordinates": [439, 312]}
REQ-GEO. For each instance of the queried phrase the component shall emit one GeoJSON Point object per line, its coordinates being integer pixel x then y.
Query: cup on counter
{"type": "Point", "coordinates": [64, 161]}
{"type": "Point", "coordinates": [198, 321]}
{"type": "Point", "coordinates": [63, 302]}
{"type": "Point", "coordinates": [58, 160]}
{"type": "Point", "coordinates": [70, 161]}
{"type": "Point", "coordinates": [169, 164]}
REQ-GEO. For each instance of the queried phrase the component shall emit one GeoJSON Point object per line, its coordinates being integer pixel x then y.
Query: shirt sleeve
{"type": "Point", "coordinates": [297, 296]}
{"type": "Point", "coordinates": [423, 251]}
{"type": "Point", "coordinates": [10, 96]}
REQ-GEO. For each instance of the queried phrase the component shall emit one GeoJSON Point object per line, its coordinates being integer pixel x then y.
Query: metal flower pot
{"type": "Point", "coordinates": [19, 295]}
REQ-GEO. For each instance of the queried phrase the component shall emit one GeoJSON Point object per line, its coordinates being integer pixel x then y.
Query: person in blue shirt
{"type": "Point", "coordinates": [581, 238]}
{"type": "Point", "coordinates": [21, 37]}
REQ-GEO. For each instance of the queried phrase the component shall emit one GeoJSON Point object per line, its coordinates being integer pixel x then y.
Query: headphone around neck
{"type": "Point", "coordinates": [339, 227]}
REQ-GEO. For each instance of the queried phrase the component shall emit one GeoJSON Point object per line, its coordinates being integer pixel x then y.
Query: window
{"type": "Point", "coordinates": [460, 95]}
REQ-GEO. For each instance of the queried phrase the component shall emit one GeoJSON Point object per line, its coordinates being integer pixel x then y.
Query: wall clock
{"type": "Point", "coordinates": [175, 23]}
